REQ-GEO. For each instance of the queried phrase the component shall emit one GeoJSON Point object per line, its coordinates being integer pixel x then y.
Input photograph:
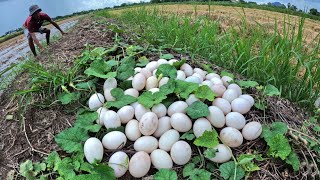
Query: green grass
{"type": "Point", "coordinates": [249, 50]}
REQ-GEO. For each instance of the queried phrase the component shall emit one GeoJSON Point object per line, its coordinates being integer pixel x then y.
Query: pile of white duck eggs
{"type": "Point", "coordinates": [156, 131]}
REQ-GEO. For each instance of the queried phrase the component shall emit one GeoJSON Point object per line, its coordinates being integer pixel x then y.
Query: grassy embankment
{"type": "Point", "coordinates": [281, 59]}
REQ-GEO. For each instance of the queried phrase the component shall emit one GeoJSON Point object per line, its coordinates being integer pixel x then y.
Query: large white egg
{"type": "Point", "coordinates": [235, 120]}
{"type": "Point", "coordinates": [218, 89]}
{"type": "Point", "coordinates": [181, 75]}
{"type": "Point", "coordinates": [236, 87]}
{"type": "Point", "coordinates": [146, 144]}
{"type": "Point", "coordinates": [248, 98]}
{"type": "Point", "coordinates": [177, 107]}
{"type": "Point", "coordinates": [107, 94]}
{"type": "Point", "coordinates": [163, 81]}
{"type": "Point", "coordinates": [160, 110]}
{"type": "Point", "coordinates": [161, 159]}
{"type": "Point", "coordinates": [152, 82]}
{"type": "Point", "coordinates": [132, 92]}
{"type": "Point", "coordinates": [139, 82]}
{"type": "Point", "coordinates": [154, 90]}
{"type": "Point", "coordinates": [101, 112]}
{"type": "Point", "coordinates": [148, 123]}
{"type": "Point", "coordinates": [139, 111]}
{"type": "Point", "coordinates": [119, 162]}
{"type": "Point", "coordinates": [151, 66]}
{"type": "Point", "coordinates": [114, 140]}
{"type": "Point", "coordinates": [252, 130]}
{"type": "Point", "coordinates": [132, 130]}
{"type": "Point", "coordinates": [216, 117]}
{"type": "Point", "coordinates": [191, 99]}
{"type": "Point", "coordinates": [216, 81]}
{"type": "Point", "coordinates": [212, 75]}
{"type": "Point", "coordinates": [93, 150]}
{"type": "Point", "coordinates": [231, 137]}
{"type": "Point", "coordinates": [126, 113]}
{"type": "Point", "coordinates": [168, 139]}
{"type": "Point", "coordinates": [198, 76]}
{"type": "Point", "coordinates": [201, 72]}
{"type": "Point", "coordinates": [181, 122]}
{"type": "Point", "coordinates": [111, 119]}
{"type": "Point", "coordinates": [181, 152]}
{"type": "Point", "coordinates": [171, 61]}
{"type": "Point", "coordinates": [200, 126]}
{"type": "Point", "coordinates": [187, 69]}
{"type": "Point", "coordinates": [137, 70]}
{"type": "Point", "coordinates": [208, 83]}
{"type": "Point", "coordinates": [110, 83]}
{"type": "Point", "coordinates": [96, 100]}
{"type": "Point", "coordinates": [223, 104]}
{"type": "Point", "coordinates": [139, 164]}
{"type": "Point", "coordinates": [226, 80]}
{"type": "Point", "coordinates": [154, 72]}
{"type": "Point", "coordinates": [163, 126]}
{"type": "Point", "coordinates": [230, 95]}
{"type": "Point", "coordinates": [193, 79]}
{"type": "Point", "coordinates": [223, 154]}
{"type": "Point", "coordinates": [162, 61]}
{"type": "Point", "coordinates": [146, 72]}
{"type": "Point", "coordinates": [240, 105]}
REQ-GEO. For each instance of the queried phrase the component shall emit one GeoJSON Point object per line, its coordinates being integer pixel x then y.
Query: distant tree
{"type": "Point", "coordinates": [314, 11]}
{"type": "Point", "coordinates": [292, 7]}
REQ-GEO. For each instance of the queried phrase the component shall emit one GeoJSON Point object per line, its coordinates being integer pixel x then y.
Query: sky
{"type": "Point", "coordinates": [301, 4]}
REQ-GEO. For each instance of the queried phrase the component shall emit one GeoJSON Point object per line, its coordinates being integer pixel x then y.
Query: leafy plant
{"type": "Point", "coordinates": [208, 139]}
{"type": "Point", "coordinates": [231, 170]}
{"type": "Point", "coordinates": [197, 110]}
{"type": "Point", "coordinates": [164, 174]}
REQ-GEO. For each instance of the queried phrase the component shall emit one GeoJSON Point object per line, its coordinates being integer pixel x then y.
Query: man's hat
{"type": "Point", "coordinates": [33, 9]}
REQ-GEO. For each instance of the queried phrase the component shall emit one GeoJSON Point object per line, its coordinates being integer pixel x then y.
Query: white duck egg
{"type": "Point", "coordinates": [139, 111]}
{"type": "Point", "coordinates": [119, 162]}
{"type": "Point", "coordinates": [110, 83]}
{"type": "Point", "coordinates": [126, 113]}
{"type": "Point", "coordinates": [163, 81]}
{"type": "Point", "coordinates": [146, 144]}
{"type": "Point", "coordinates": [198, 76]}
{"type": "Point", "coordinates": [151, 66]}
{"type": "Point", "coordinates": [248, 98]}
{"type": "Point", "coordinates": [93, 150]}
{"type": "Point", "coordinates": [231, 137]}
{"type": "Point", "coordinates": [114, 140]}
{"type": "Point", "coordinates": [216, 81]}
{"type": "Point", "coordinates": [240, 105]}
{"type": "Point", "coordinates": [177, 107]}
{"type": "Point", "coordinates": [161, 159]}
{"type": "Point", "coordinates": [139, 82]}
{"type": "Point", "coordinates": [230, 95]}
{"type": "Point", "coordinates": [223, 154]}
{"type": "Point", "coordinates": [132, 130]}
{"type": "Point", "coordinates": [171, 61]}
{"type": "Point", "coordinates": [201, 72]}
{"type": "Point", "coordinates": [163, 126]}
{"type": "Point", "coordinates": [236, 87]}
{"type": "Point", "coordinates": [168, 139]}
{"type": "Point", "coordinates": [96, 100]}
{"type": "Point", "coordinates": [191, 99]}
{"type": "Point", "coordinates": [216, 117]}
{"type": "Point", "coordinates": [152, 82]}
{"type": "Point", "coordinates": [132, 92]}
{"type": "Point", "coordinates": [160, 110]}
{"type": "Point", "coordinates": [207, 82]}
{"type": "Point", "coordinates": [148, 123]}
{"type": "Point", "coordinates": [252, 130]}
{"type": "Point", "coordinates": [181, 152]}
{"type": "Point", "coordinates": [181, 122]}
{"type": "Point", "coordinates": [223, 104]}
{"type": "Point", "coordinates": [139, 164]}
{"type": "Point", "coordinates": [137, 70]}
{"type": "Point", "coordinates": [154, 90]}
{"type": "Point", "coordinates": [111, 119]}
{"type": "Point", "coordinates": [226, 80]}
{"type": "Point", "coordinates": [107, 95]}
{"type": "Point", "coordinates": [146, 72]}
{"type": "Point", "coordinates": [218, 89]}
{"type": "Point", "coordinates": [212, 75]}
{"type": "Point", "coordinates": [162, 61]}
{"type": "Point", "coordinates": [187, 69]}
{"type": "Point", "coordinates": [181, 75]}
{"type": "Point", "coordinates": [200, 126]}
{"type": "Point", "coordinates": [101, 111]}
{"type": "Point", "coordinates": [193, 79]}
{"type": "Point", "coordinates": [235, 120]}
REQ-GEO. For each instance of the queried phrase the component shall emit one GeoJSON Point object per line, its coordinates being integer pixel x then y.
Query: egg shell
{"type": "Point", "coordinates": [146, 144]}
{"type": "Point", "coordinates": [201, 72]}
{"type": "Point", "coordinates": [139, 82]}
{"type": "Point", "coordinates": [191, 99]}
{"type": "Point", "coordinates": [162, 61]}
{"type": "Point", "coordinates": [212, 75]}
{"type": "Point", "coordinates": [132, 92]}
{"type": "Point", "coordinates": [216, 117]}
{"type": "Point", "coordinates": [119, 162]}
{"type": "Point", "coordinates": [161, 159]}
{"type": "Point", "coordinates": [111, 119]}
{"type": "Point", "coordinates": [248, 98]}
{"type": "Point", "coordinates": [223, 104]}
{"type": "Point", "coordinates": [198, 76]}
{"type": "Point", "coordinates": [177, 107]}
{"type": "Point", "coordinates": [139, 164]}
{"type": "Point", "coordinates": [230, 95]}
{"type": "Point", "coordinates": [126, 113]}
{"type": "Point", "coordinates": [171, 61]}
{"type": "Point", "coordinates": [181, 122]}
{"type": "Point", "coordinates": [235, 87]}
{"type": "Point", "coordinates": [114, 140]}
{"type": "Point", "coordinates": [231, 137]}
{"type": "Point", "coordinates": [235, 120]}
{"type": "Point", "coordinates": [207, 82]}
{"type": "Point", "coordinates": [154, 90]}
{"type": "Point", "coordinates": [168, 139]}
{"type": "Point", "coordinates": [146, 72]}
{"type": "Point", "coordinates": [148, 123]}
{"type": "Point", "coordinates": [137, 70]}
{"type": "Point", "coordinates": [93, 150]}
{"type": "Point", "coordinates": [226, 80]}
{"type": "Point", "coordinates": [151, 66]}
{"type": "Point", "coordinates": [107, 94]}
{"type": "Point", "coordinates": [200, 126]}
{"type": "Point", "coordinates": [187, 69]}
{"type": "Point", "coordinates": [193, 79]}
{"type": "Point", "coordinates": [163, 126]}
{"type": "Point", "coordinates": [139, 111]}
{"type": "Point", "coordinates": [240, 105]}
{"type": "Point", "coordinates": [216, 81]}
{"type": "Point", "coordinates": [110, 83]}
{"type": "Point", "coordinates": [252, 130]}
{"type": "Point", "coordinates": [152, 82]}
{"type": "Point", "coordinates": [181, 152]}
{"type": "Point", "coordinates": [160, 110]}
{"type": "Point", "coordinates": [218, 89]}
{"type": "Point", "coordinates": [181, 75]}
{"type": "Point", "coordinates": [163, 81]}
{"type": "Point", "coordinates": [223, 154]}
{"type": "Point", "coordinates": [95, 101]}
{"type": "Point", "coordinates": [132, 130]}
{"type": "Point", "coordinates": [101, 112]}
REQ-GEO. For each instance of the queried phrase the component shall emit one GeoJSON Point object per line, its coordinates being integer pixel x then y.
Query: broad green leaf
{"type": "Point", "coordinates": [260, 105]}
{"type": "Point", "coordinates": [247, 163]}
{"type": "Point", "coordinates": [188, 169]}
{"type": "Point", "coordinates": [87, 85]}
{"type": "Point", "coordinates": [210, 153]}
{"type": "Point", "coordinates": [167, 56]}
{"type": "Point", "coordinates": [245, 158]}
{"type": "Point", "coordinates": [207, 68]}
{"type": "Point", "coordinates": [133, 50]}
{"type": "Point", "coordinates": [100, 68]}
{"type": "Point", "coordinates": [208, 139]}
{"type": "Point", "coordinates": [188, 136]}
{"type": "Point", "coordinates": [167, 71]}
{"type": "Point", "coordinates": [26, 169]}
{"type": "Point", "coordinates": [293, 160]}
{"type": "Point", "coordinates": [178, 64]}
{"type": "Point", "coordinates": [97, 53]}
{"type": "Point", "coordinates": [77, 160]}
{"type": "Point", "coordinates": [204, 92]}
{"type": "Point", "coordinates": [97, 172]}
{"type": "Point", "coordinates": [142, 61]}
{"type": "Point", "coordinates": [225, 73]}
{"type": "Point", "coordinates": [65, 168]}
{"type": "Point", "coordinates": [38, 167]}
{"type": "Point", "coordinates": [67, 98]}
{"type": "Point", "coordinates": [197, 110]}
{"type": "Point", "coordinates": [168, 88]}
{"type": "Point", "coordinates": [52, 160]}
{"type": "Point", "coordinates": [165, 174]}
{"type": "Point", "coordinates": [125, 84]}
{"type": "Point", "coordinates": [72, 139]}
{"type": "Point", "coordinates": [120, 99]}
{"type": "Point", "coordinates": [200, 174]}
{"type": "Point", "coordinates": [196, 159]}
{"type": "Point", "coordinates": [184, 89]}
{"type": "Point", "coordinates": [271, 90]}
{"type": "Point", "coordinates": [126, 68]}
{"type": "Point", "coordinates": [268, 131]}
{"type": "Point", "coordinates": [149, 99]}
{"type": "Point", "coordinates": [230, 170]}
{"type": "Point", "coordinates": [279, 146]}
{"type": "Point", "coordinates": [247, 84]}
{"type": "Point", "coordinates": [86, 121]}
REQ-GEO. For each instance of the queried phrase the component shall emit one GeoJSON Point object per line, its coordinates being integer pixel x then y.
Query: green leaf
{"type": "Point", "coordinates": [127, 84]}
{"type": "Point", "coordinates": [208, 139]}
{"type": "Point", "coordinates": [165, 174]}
{"type": "Point", "coordinates": [279, 146]}
{"type": "Point", "coordinates": [247, 84]}
{"type": "Point", "coordinates": [143, 61]}
{"type": "Point", "coordinates": [52, 160]}
{"type": "Point", "coordinates": [166, 56]}
{"type": "Point", "coordinates": [77, 160]}
{"type": "Point", "coordinates": [210, 153]}
{"type": "Point", "coordinates": [167, 71]}
{"type": "Point", "coordinates": [149, 99]}
{"type": "Point", "coordinates": [97, 172]}
{"type": "Point", "coordinates": [271, 90]}
{"type": "Point", "coordinates": [178, 64]}
{"type": "Point", "coordinates": [196, 159]}
{"type": "Point", "coordinates": [126, 68]}
{"type": "Point", "coordinates": [207, 68]}
{"type": "Point", "coordinates": [197, 110]}
{"type": "Point", "coordinates": [260, 105]}
{"type": "Point", "coordinates": [247, 163]}
{"type": "Point", "coordinates": [204, 92]}
{"type": "Point", "coordinates": [230, 170]}
{"type": "Point", "coordinates": [86, 85]}
{"type": "Point", "coordinates": [275, 128]}
{"type": "Point", "coordinates": [86, 121]}
{"type": "Point", "coordinates": [65, 168]}
{"type": "Point", "coordinates": [120, 99]}
{"type": "Point", "coordinates": [100, 68]}
{"type": "Point", "coordinates": [168, 88]}
{"type": "Point", "coordinates": [71, 139]}
{"type": "Point", "coordinates": [293, 160]}
{"type": "Point", "coordinates": [26, 169]}
{"type": "Point", "coordinates": [67, 98]}
{"type": "Point", "coordinates": [188, 136]}
{"type": "Point", "coordinates": [200, 174]}
{"type": "Point", "coordinates": [38, 167]}
{"type": "Point", "coordinates": [245, 158]}
{"type": "Point", "coordinates": [184, 89]}
{"type": "Point", "coordinates": [133, 50]}
{"type": "Point", "coordinates": [225, 73]}
{"type": "Point", "coordinates": [188, 169]}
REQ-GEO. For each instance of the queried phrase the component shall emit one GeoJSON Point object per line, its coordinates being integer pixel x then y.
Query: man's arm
{"type": "Point", "coordinates": [57, 26]}
{"type": "Point", "coordinates": [36, 41]}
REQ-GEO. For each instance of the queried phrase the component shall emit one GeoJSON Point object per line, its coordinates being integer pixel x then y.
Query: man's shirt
{"type": "Point", "coordinates": [32, 25]}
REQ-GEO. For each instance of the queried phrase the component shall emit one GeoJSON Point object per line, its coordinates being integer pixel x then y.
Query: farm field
{"type": "Point", "coordinates": [178, 69]}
